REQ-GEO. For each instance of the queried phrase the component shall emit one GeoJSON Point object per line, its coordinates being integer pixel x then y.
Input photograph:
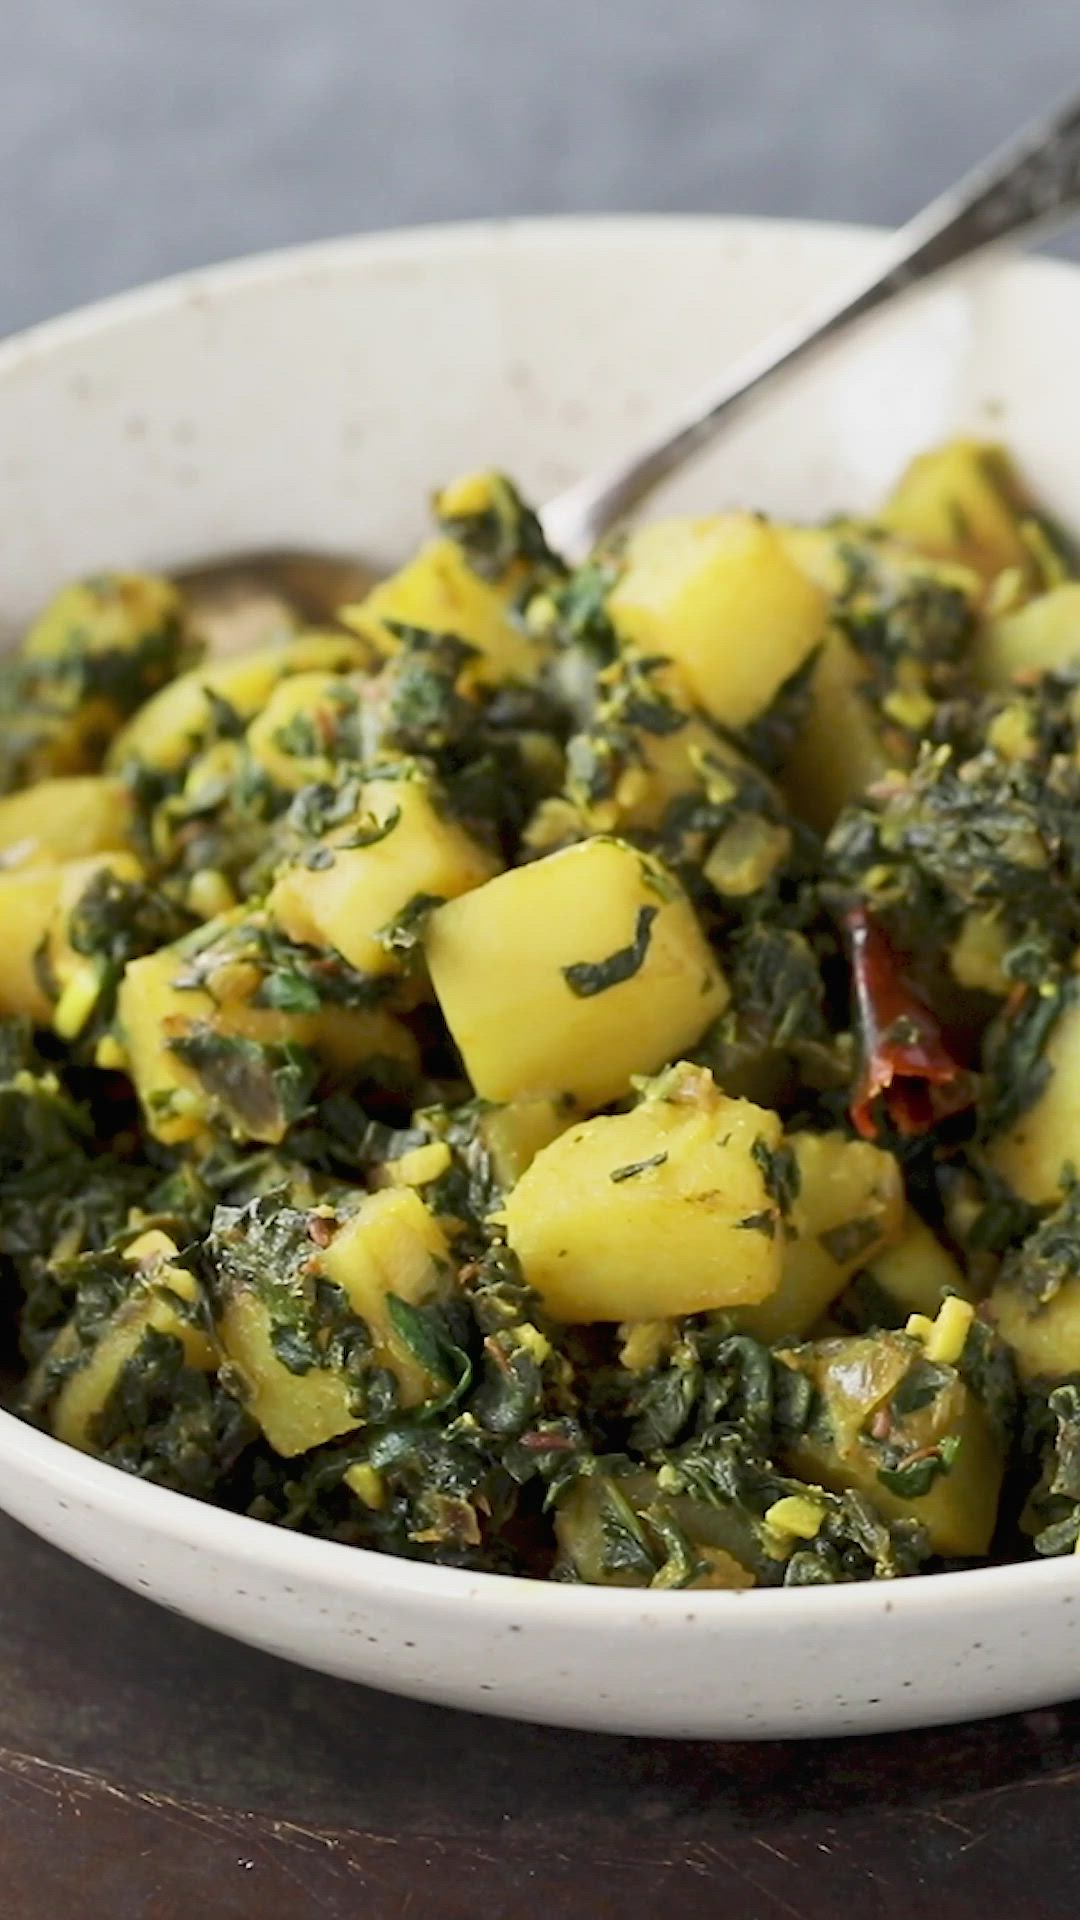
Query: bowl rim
{"type": "Point", "coordinates": [76, 1477]}
{"type": "Point", "coordinates": [314, 259]}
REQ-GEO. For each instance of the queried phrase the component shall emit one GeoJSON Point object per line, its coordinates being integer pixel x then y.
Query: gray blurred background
{"type": "Point", "coordinates": [142, 136]}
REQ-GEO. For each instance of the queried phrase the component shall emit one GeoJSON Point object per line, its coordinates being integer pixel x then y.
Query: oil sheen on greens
{"type": "Point", "coordinates": [567, 1072]}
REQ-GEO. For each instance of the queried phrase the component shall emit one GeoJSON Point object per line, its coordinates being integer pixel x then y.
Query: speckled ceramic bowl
{"type": "Point", "coordinates": [316, 397]}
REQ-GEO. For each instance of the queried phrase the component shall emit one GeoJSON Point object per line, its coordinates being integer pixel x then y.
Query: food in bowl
{"type": "Point", "coordinates": [567, 1071]}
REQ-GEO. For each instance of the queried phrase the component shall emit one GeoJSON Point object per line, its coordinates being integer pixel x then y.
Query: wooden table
{"type": "Point", "coordinates": [152, 1771]}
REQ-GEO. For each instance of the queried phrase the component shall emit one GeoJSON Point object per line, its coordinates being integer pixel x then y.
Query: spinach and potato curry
{"type": "Point", "coordinates": [567, 1071]}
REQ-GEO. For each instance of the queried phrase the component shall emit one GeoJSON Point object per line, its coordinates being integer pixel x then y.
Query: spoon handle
{"type": "Point", "coordinates": [1031, 183]}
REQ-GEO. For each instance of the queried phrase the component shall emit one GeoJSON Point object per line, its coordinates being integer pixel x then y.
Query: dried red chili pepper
{"type": "Point", "coordinates": [905, 1061]}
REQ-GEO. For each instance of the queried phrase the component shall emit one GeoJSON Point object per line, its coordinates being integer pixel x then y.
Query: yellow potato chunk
{"type": "Point", "coordinates": [36, 903]}
{"type": "Point", "coordinates": [917, 1272]}
{"type": "Point", "coordinates": [661, 1211]}
{"type": "Point", "coordinates": [75, 877]}
{"type": "Point", "coordinates": [1035, 1302]}
{"type": "Point", "coordinates": [868, 1425]}
{"type": "Point", "coordinates": [977, 955]}
{"type": "Point", "coordinates": [725, 600]}
{"type": "Point", "coordinates": [390, 1245]}
{"type": "Point", "coordinates": [671, 764]}
{"type": "Point", "coordinates": [295, 1410]}
{"type": "Point", "coordinates": [598, 1504]}
{"type": "Point", "coordinates": [516, 1133]}
{"type": "Point", "coordinates": [1042, 635]}
{"type": "Point", "coordinates": [112, 613]}
{"type": "Point", "coordinates": [819, 551]}
{"type": "Point", "coordinates": [439, 591]}
{"type": "Point", "coordinates": [169, 728]}
{"type": "Point", "coordinates": [849, 1206]}
{"type": "Point", "coordinates": [152, 1012]}
{"type": "Point", "coordinates": [1044, 1336]}
{"type": "Point", "coordinates": [839, 750]}
{"type": "Point", "coordinates": [963, 501]}
{"type": "Point", "coordinates": [99, 649]}
{"type": "Point", "coordinates": [1034, 1155]}
{"type": "Point", "coordinates": [648, 745]}
{"type": "Point", "coordinates": [156, 1304]}
{"type": "Point", "coordinates": [570, 976]}
{"type": "Point", "coordinates": [64, 819]}
{"type": "Point", "coordinates": [28, 899]}
{"type": "Point", "coordinates": [294, 737]}
{"type": "Point", "coordinates": [412, 849]}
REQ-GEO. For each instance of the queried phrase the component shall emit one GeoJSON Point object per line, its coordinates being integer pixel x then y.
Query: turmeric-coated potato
{"type": "Point", "coordinates": [176, 1041]}
{"type": "Point", "coordinates": [665, 1210]}
{"type": "Point", "coordinates": [906, 1433]}
{"type": "Point", "coordinates": [848, 1206]}
{"type": "Point", "coordinates": [399, 846]}
{"type": "Point", "coordinates": [570, 976]}
{"type": "Point", "coordinates": [1038, 1152]}
{"type": "Point", "coordinates": [28, 898]}
{"type": "Point", "coordinates": [916, 1271]}
{"type": "Point", "coordinates": [304, 1393]}
{"type": "Point", "coordinates": [1038, 637]}
{"type": "Point", "coordinates": [169, 728]}
{"type": "Point", "coordinates": [165, 1300]}
{"type": "Point", "coordinates": [36, 903]}
{"type": "Point", "coordinates": [439, 592]}
{"type": "Point", "coordinates": [839, 749]}
{"type": "Point", "coordinates": [1035, 1302]}
{"type": "Point", "coordinates": [65, 819]}
{"type": "Point", "coordinates": [723, 598]}
{"type": "Point", "coordinates": [303, 728]}
{"type": "Point", "coordinates": [963, 501]}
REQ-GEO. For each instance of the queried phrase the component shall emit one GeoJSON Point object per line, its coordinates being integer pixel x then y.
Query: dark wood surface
{"type": "Point", "coordinates": [152, 1771]}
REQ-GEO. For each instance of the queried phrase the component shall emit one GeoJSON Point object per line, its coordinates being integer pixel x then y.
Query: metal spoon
{"type": "Point", "coordinates": [1031, 184]}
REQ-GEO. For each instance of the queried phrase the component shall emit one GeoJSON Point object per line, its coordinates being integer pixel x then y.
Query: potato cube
{"type": "Point", "coordinates": [646, 746]}
{"type": "Point", "coordinates": [113, 613]}
{"type": "Point", "coordinates": [1035, 1156]}
{"type": "Point", "coordinates": [169, 728]}
{"type": "Point", "coordinates": [296, 1411]}
{"type": "Point", "coordinates": [908, 1435]}
{"type": "Point", "coordinates": [36, 903]}
{"type": "Point", "coordinates": [839, 750]}
{"type": "Point", "coordinates": [298, 736]}
{"type": "Point", "coordinates": [164, 1299]}
{"type": "Point", "coordinates": [1043, 635]}
{"type": "Point", "coordinates": [1035, 1302]}
{"type": "Point", "coordinates": [64, 819]}
{"type": "Point", "coordinates": [978, 954]}
{"type": "Point", "coordinates": [725, 600]}
{"type": "Point", "coordinates": [347, 895]}
{"type": "Point", "coordinates": [28, 899]}
{"type": "Point", "coordinates": [916, 1272]}
{"type": "Point", "coordinates": [76, 876]}
{"type": "Point", "coordinates": [439, 592]}
{"type": "Point", "coordinates": [661, 1211]}
{"type": "Point", "coordinates": [963, 501]}
{"type": "Point", "coordinates": [1044, 1335]}
{"type": "Point", "coordinates": [848, 1208]}
{"type": "Point", "coordinates": [390, 1245]}
{"type": "Point", "coordinates": [592, 1514]}
{"type": "Point", "coordinates": [570, 976]}
{"type": "Point", "coordinates": [516, 1133]}
{"type": "Point", "coordinates": [153, 1013]}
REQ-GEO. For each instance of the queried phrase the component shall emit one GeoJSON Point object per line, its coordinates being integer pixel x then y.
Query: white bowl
{"type": "Point", "coordinates": [317, 397]}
